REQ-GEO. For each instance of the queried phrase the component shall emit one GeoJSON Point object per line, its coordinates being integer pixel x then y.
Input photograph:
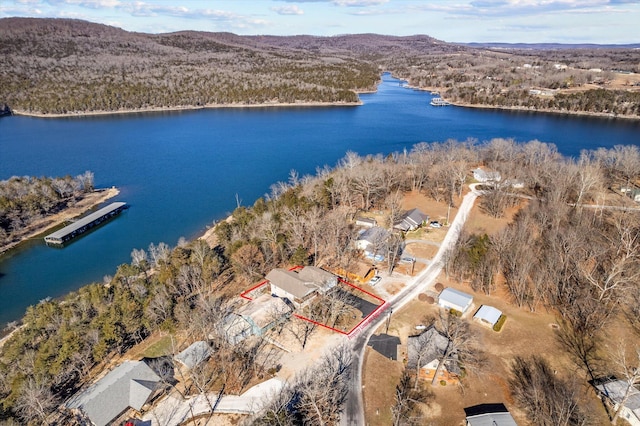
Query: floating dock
{"type": "Point", "coordinates": [82, 225]}
{"type": "Point", "coordinates": [439, 102]}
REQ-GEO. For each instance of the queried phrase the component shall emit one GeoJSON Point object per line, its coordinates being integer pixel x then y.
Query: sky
{"type": "Point", "coordinates": [511, 21]}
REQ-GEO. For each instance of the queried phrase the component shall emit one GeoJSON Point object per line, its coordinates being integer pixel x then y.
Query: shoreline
{"type": "Point", "coordinates": [185, 108]}
{"type": "Point", "coordinates": [39, 227]}
{"type": "Point", "coordinates": [438, 91]}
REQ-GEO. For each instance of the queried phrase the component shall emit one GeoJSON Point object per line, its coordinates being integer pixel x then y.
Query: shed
{"type": "Point", "coordinates": [488, 314]}
{"type": "Point", "coordinates": [196, 353]}
{"type": "Point", "coordinates": [450, 298]}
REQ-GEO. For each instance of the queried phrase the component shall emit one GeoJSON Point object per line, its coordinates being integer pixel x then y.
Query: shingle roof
{"type": "Point", "coordinates": [290, 282]}
{"type": "Point", "coordinates": [411, 219]}
{"type": "Point", "coordinates": [128, 385]}
{"type": "Point", "coordinates": [194, 354]}
{"type": "Point", "coordinates": [615, 390]}
{"type": "Point", "coordinates": [435, 345]}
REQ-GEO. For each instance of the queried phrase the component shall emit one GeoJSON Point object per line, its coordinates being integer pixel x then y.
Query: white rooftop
{"type": "Point", "coordinates": [488, 314]}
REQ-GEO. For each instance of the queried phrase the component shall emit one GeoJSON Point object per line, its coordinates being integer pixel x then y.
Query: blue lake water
{"type": "Point", "coordinates": [180, 171]}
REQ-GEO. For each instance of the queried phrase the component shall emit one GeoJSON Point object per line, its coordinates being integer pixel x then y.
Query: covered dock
{"type": "Point", "coordinates": [82, 225]}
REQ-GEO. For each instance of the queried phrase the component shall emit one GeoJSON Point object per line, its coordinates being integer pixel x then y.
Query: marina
{"type": "Point", "coordinates": [80, 226]}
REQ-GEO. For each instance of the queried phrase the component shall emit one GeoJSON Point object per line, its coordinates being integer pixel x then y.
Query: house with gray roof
{"type": "Point", "coordinates": [614, 391]}
{"type": "Point", "coordinates": [411, 220]}
{"type": "Point", "coordinates": [428, 348]}
{"type": "Point", "coordinates": [193, 355]}
{"type": "Point", "coordinates": [299, 286]}
{"type": "Point", "coordinates": [129, 385]}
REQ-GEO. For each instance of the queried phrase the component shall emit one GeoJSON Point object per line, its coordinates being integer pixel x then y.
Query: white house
{"type": "Point", "coordinates": [484, 176]}
{"type": "Point", "coordinates": [450, 298]}
{"type": "Point", "coordinates": [614, 391]}
{"type": "Point", "coordinates": [488, 314]}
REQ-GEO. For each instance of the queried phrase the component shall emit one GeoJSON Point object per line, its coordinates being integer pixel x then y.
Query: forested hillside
{"type": "Point", "coordinates": [58, 66]}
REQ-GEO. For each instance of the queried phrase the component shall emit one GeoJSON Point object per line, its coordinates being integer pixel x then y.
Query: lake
{"type": "Point", "coordinates": [180, 171]}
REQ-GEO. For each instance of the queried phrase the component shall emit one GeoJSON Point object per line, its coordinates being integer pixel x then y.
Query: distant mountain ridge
{"type": "Point", "coordinates": [547, 46]}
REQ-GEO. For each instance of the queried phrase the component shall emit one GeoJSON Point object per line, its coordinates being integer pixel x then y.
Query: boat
{"type": "Point", "coordinates": [439, 102]}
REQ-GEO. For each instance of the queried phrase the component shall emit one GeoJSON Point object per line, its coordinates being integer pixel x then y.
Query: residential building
{"type": "Point", "coordinates": [366, 222]}
{"type": "Point", "coordinates": [411, 220]}
{"type": "Point", "coordinates": [299, 286]}
{"type": "Point", "coordinates": [614, 391]}
{"type": "Point", "coordinates": [428, 348]}
{"type": "Point", "coordinates": [255, 318]}
{"type": "Point", "coordinates": [484, 176]}
{"type": "Point", "coordinates": [129, 385]}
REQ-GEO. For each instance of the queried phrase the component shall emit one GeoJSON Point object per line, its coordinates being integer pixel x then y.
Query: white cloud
{"type": "Point", "coordinates": [359, 3]}
{"type": "Point", "coordinates": [288, 10]}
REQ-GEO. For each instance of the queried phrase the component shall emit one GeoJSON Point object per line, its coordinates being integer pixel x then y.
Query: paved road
{"type": "Point", "coordinates": [354, 409]}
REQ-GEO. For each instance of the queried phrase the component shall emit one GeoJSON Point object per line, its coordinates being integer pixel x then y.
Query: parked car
{"type": "Point", "coordinates": [407, 259]}
{"type": "Point", "coordinates": [435, 224]}
{"type": "Point", "coordinates": [375, 280]}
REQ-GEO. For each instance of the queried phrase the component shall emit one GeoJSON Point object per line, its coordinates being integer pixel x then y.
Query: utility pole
{"type": "Point", "coordinates": [388, 321]}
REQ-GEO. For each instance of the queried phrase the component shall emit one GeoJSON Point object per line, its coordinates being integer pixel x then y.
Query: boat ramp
{"type": "Point", "coordinates": [80, 226]}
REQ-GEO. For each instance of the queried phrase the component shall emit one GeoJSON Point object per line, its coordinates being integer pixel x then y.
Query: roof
{"type": "Point", "coordinates": [435, 345]}
{"type": "Point", "coordinates": [615, 390]}
{"type": "Point", "coordinates": [489, 415]}
{"type": "Point", "coordinates": [374, 235]}
{"type": "Point", "coordinates": [61, 233]}
{"type": "Point", "coordinates": [485, 176]}
{"type": "Point", "coordinates": [128, 385]}
{"type": "Point", "coordinates": [455, 297]}
{"type": "Point", "coordinates": [488, 314]}
{"type": "Point", "coordinates": [411, 219]}
{"type": "Point", "coordinates": [264, 310]}
{"type": "Point", "coordinates": [318, 276]}
{"type": "Point", "coordinates": [194, 354]}
{"type": "Point", "coordinates": [367, 220]}
{"type": "Point", "coordinates": [290, 282]}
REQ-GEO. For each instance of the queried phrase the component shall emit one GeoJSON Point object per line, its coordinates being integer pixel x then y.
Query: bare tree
{"type": "Point", "coordinates": [406, 409]}
{"type": "Point", "coordinates": [547, 399]}
{"type": "Point", "coordinates": [629, 369]}
{"type": "Point", "coordinates": [35, 401]}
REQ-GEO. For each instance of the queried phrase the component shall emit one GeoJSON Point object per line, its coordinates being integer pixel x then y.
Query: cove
{"type": "Point", "coordinates": [180, 171]}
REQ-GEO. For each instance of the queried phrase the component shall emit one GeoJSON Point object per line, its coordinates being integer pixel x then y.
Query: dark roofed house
{"type": "Point", "coordinates": [411, 220]}
{"type": "Point", "coordinates": [129, 385]}
{"type": "Point", "coordinates": [489, 415]}
{"type": "Point", "coordinates": [429, 348]}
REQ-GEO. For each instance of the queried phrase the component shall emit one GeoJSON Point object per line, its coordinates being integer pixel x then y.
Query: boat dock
{"type": "Point", "coordinates": [439, 102]}
{"type": "Point", "coordinates": [82, 225]}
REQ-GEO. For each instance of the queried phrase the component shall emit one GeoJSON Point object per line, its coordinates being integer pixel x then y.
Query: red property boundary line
{"type": "Point", "coordinates": [351, 333]}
